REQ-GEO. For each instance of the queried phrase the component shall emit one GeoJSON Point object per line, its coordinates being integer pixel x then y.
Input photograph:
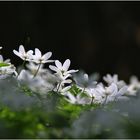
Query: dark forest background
{"type": "Point", "coordinates": [99, 37]}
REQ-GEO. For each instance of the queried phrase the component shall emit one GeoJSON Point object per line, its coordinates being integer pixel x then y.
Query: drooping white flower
{"type": "Point", "coordinates": [41, 59]}
{"type": "Point", "coordinates": [26, 56]}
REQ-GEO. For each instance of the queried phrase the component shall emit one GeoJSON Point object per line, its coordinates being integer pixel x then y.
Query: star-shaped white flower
{"type": "Point", "coordinates": [114, 79]}
{"type": "Point", "coordinates": [78, 99]}
{"type": "Point", "coordinates": [134, 86]}
{"type": "Point", "coordinates": [26, 56]}
{"type": "Point", "coordinates": [62, 69]}
{"type": "Point", "coordinates": [41, 59]}
{"type": "Point", "coordinates": [111, 92]}
{"type": "Point", "coordinates": [83, 80]}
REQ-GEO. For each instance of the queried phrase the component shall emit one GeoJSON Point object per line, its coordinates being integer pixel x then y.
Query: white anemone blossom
{"type": "Point", "coordinates": [84, 80]}
{"type": "Point", "coordinates": [114, 79]}
{"type": "Point", "coordinates": [62, 69]}
{"type": "Point", "coordinates": [62, 72]}
{"type": "Point", "coordinates": [6, 70]}
{"type": "Point", "coordinates": [39, 84]}
{"type": "Point", "coordinates": [95, 96]}
{"type": "Point", "coordinates": [78, 99]}
{"type": "Point", "coordinates": [26, 56]}
{"type": "Point", "coordinates": [112, 92]}
{"type": "Point", "coordinates": [134, 86]}
{"type": "Point", "coordinates": [41, 59]}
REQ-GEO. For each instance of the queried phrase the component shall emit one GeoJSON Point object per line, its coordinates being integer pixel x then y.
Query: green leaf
{"type": "Point", "coordinates": [75, 90]}
{"type": "Point", "coordinates": [4, 64]}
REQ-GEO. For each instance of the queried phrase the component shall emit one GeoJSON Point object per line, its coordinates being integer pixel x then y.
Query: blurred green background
{"type": "Point", "coordinates": [99, 37]}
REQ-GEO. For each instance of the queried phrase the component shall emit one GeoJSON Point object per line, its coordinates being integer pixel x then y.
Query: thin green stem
{"type": "Point", "coordinates": [37, 70]}
{"type": "Point", "coordinates": [91, 100]}
{"type": "Point", "coordinates": [23, 64]}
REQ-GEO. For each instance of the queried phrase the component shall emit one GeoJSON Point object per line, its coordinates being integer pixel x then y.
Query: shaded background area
{"type": "Point", "coordinates": [99, 37]}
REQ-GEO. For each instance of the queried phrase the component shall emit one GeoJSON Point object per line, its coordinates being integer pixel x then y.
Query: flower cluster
{"type": "Point", "coordinates": [76, 87]}
{"type": "Point", "coordinates": [63, 74]}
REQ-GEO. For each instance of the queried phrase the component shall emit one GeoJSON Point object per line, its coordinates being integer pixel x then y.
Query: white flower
{"type": "Point", "coordinates": [111, 93]}
{"type": "Point", "coordinates": [25, 75]}
{"type": "Point", "coordinates": [134, 86]}
{"type": "Point", "coordinates": [62, 69]}
{"type": "Point", "coordinates": [26, 56]}
{"type": "Point", "coordinates": [41, 59]}
{"type": "Point", "coordinates": [114, 79]}
{"type": "Point", "coordinates": [62, 73]}
{"type": "Point", "coordinates": [7, 71]}
{"type": "Point", "coordinates": [62, 90]}
{"type": "Point", "coordinates": [95, 96]}
{"type": "Point", "coordinates": [38, 84]}
{"type": "Point", "coordinates": [83, 80]}
{"type": "Point", "coordinates": [0, 48]}
{"type": "Point", "coordinates": [78, 99]}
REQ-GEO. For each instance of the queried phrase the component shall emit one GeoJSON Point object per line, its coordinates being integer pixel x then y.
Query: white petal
{"type": "Point", "coordinates": [49, 61]}
{"type": "Point", "coordinates": [86, 77]}
{"type": "Point", "coordinates": [115, 78]}
{"type": "Point", "coordinates": [21, 49]}
{"type": "Point", "coordinates": [123, 90]}
{"type": "Point", "coordinates": [47, 55]}
{"type": "Point", "coordinates": [68, 81]}
{"type": "Point", "coordinates": [66, 89]}
{"type": "Point", "coordinates": [113, 89]}
{"type": "Point", "coordinates": [30, 52]}
{"type": "Point", "coordinates": [58, 64]}
{"type": "Point", "coordinates": [53, 68]}
{"type": "Point", "coordinates": [7, 61]}
{"type": "Point", "coordinates": [17, 53]}
{"type": "Point", "coordinates": [134, 80]}
{"type": "Point", "coordinates": [72, 98]}
{"type": "Point", "coordinates": [46, 61]}
{"type": "Point", "coordinates": [37, 53]}
{"type": "Point", "coordinates": [1, 58]}
{"type": "Point", "coordinates": [66, 76]}
{"type": "Point", "coordinates": [66, 65]}
{"type": "Point", "coordinates": [70, 71]}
